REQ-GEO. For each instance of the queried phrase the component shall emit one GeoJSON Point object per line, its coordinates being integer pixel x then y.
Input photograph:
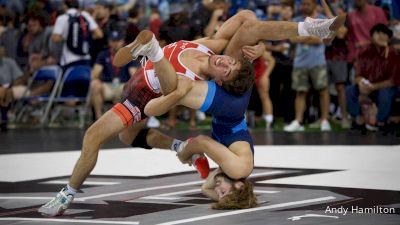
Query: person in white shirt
{"type": "Point", "coordinates": [62, 29]}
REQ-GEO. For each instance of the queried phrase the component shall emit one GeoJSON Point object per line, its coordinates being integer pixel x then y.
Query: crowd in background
{"type": "Point", "coordinates": [353, 82]}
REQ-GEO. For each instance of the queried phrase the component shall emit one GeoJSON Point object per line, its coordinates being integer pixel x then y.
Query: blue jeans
{"type": "Point", "coordinates": [383, 99]}
{"type": "Point", "coordinates": [3, 112]}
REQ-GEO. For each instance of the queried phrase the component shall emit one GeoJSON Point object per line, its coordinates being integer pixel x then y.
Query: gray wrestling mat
{"type": "Point", "coordinates": [295, 185]}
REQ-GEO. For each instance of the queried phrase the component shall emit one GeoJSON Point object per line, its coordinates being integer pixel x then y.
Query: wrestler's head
{"type": "Point", "coordinates": [223, 67]}
{"type": "Point", "coordinates": [243, 80]}
{"type": "Point", "coordinates": [233, 194]}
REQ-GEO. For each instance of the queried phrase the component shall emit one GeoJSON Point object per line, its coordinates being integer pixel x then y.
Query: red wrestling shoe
{"type": "Point", "coordinates": [200, 162]}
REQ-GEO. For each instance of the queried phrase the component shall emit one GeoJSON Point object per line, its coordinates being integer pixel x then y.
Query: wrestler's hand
{"type": "Point", "coordinates": [185, 84]}
{"type": "Point", "coordinates": [254, 51]}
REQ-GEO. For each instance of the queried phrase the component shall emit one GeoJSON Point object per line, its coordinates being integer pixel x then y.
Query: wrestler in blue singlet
{"type": "Point", "coordinates": [228, 123]}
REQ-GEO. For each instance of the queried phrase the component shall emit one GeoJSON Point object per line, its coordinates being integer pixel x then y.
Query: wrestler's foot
{"type": "Point", "coordinates": [200, 162]}
{"type": "Point", "coordinates": [324, 28]}
{"type": "Point", "coordinates": [58, 205]}
{"type": "Point", "coordinates": [145, 44]}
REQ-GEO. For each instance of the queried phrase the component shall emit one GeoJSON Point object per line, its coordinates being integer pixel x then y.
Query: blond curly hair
{"type": "Point", "coordinates": [240, 198]}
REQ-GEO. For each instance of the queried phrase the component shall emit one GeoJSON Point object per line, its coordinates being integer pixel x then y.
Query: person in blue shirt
{"type": "Point", "coordinates": [309, 70]}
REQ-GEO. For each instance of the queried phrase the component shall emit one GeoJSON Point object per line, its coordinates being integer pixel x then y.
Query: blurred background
{"type": "Point", "coordinates": [351, 84]}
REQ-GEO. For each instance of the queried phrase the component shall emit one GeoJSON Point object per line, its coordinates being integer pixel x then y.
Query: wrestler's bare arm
{"type": "Point", "coordinates": [193, 99]}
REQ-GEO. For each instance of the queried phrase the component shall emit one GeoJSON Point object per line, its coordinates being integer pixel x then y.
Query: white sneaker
{"type": "Point", "coordinates": [58, 205]}
{"type": "Point", "coordinates": [325, 29]}
{"type": "Point", "coordinates": [145, 44]}
{"type": "Point", "coordinates": [293, 127]}
{"type": "Point", "coordinates": [153, 122]}
{"type": "Point", "coordinates": [325, 126]}
{"type": "Point", "coordinates": [200, 116]}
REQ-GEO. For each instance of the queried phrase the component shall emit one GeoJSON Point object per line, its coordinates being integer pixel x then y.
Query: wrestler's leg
{"type": "Point", "coordinates": [236, 161]}
{"type": "Point", "coordinates": [253, 31]}
{"type": "Point", "coordinates": [106, 127]}
{"type": "Point", "coordinates": [219, 40]}
{"type": "Point", "coordinates": [153, 138]}
{"type": "Point", "coordinates": [137, 136]}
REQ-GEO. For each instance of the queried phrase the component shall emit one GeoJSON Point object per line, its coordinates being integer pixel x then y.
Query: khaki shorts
{"type": "Point", "coordinates": [19, 91]}
{"type": "Point", "coordinates": [301, 78]}
{"type": "Point", "coordinates": [111, 92]}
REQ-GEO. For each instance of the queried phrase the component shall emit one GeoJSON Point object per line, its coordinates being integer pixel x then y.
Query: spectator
{"type": "Point", "coordinates": [10, 36]}
{"type": "Point", "coordinates": [75, 52]}
{"type": "Point", "coordinates": [274, 9]}
{"type": "Point", "coordinates": [155, 22]}
{"type": "Point", "coordinates": [207, 16]}
{"type": "Point", "coordinates": [263, 67]}
{"type": "Point", "coordinates": [38, 42]}
{"type": "Point", "coordinates": [107, 80]}
{"type": "Point", "coordinates": [374, 81]}
{"type": "Point", "coordinates": [10, 85]}
{"type": "Point", "coordinates": [107, 23]}
{"type": "Point", "coordinates": [360, 22]}
{"type": "Point", "coordinates": [282, 95]}
{"type": "Point", "coordinates": [132, 27]}
{"type": "Point", "coordinates": [309, 64]}
{"type": "Point", "coordinates": [176, 27]}
{"type": "Point", "coordinates": [395, 27]}
{"type": "Point", "coordinates": [336, 59]}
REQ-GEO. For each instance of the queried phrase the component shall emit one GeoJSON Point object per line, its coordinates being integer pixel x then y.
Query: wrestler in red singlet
{"type": "Point", "coordinates": [144, 84]}
{"type": "Point", "coordinates": [260, 66]}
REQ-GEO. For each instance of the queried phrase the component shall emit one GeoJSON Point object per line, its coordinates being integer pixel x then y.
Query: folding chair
{"type": "Point", "coordinates": [42, 103]}
{"type": "Point", "coordinates": [74, 88]}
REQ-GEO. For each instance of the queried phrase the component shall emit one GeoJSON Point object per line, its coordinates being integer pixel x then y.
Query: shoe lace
{"type": "Point", "coordinates": [319, 27]}
{"type": "Point", "coordinates": [143, 61]}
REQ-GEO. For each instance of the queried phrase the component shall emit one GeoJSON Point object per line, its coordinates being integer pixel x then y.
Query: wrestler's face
{"type": "Point", "coordinates": [223, 67]}
{"type": "Point", "coordinates": [223, 187]}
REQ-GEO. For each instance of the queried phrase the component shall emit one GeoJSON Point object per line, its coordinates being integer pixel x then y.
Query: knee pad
{"type": "Point", "coordinates": [140, 139]}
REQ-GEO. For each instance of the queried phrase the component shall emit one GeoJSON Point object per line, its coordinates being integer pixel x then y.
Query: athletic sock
{"type": "Point", "coordinates": [269, 118]}
{"type": "Point", "coordinates": [157, 56]}
{"type": "Point", "coordinates": [175, 145]}
{"type": "Point", "coordinates": [301, 30]}
{"type": "Point", "coordinates": [70, 190]}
